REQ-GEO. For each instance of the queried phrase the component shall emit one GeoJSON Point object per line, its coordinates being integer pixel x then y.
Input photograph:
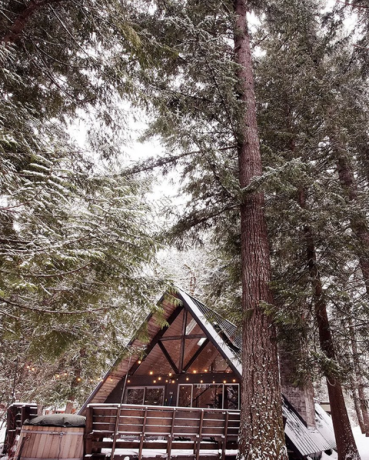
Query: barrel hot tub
{"type": "Point", "coordinates": [53, 437]}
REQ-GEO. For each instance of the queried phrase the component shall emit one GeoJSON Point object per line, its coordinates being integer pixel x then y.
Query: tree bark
{"type": "Point", "coordinates": [358, 223]}
{"type": "Point", "coordinates": [261, 432]}
{"type": "Point", "coordinates": [356, 400]}
{"type": "Point", "coordinates": [359, 227]}
{"type": "Point", "coordinates": [346, 446]}
{"type": "Point", "coordinates": [359, 384]}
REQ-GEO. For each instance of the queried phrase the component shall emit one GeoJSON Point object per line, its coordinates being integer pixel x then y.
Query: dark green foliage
{"type": "Point", "coordinates": [77, 241]}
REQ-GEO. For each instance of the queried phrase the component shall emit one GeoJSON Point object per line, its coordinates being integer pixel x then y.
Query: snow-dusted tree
{"type": "Point", "coordinates": [76, 238]}
{"type": "Point", "coordinates": [204, 107]}
{"type": "Point", "coordinates": [313, 246]}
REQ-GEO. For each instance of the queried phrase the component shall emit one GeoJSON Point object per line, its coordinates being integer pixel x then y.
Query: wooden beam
{"type": "Point", "coordinates": [187, 337]}
{"type": "Point", "coordinates": [183, 341]}
{"type": "Point", "coordinates": [168, 357]}
{"type": "Point", "coordinates": [157, 338]}
{"type": "Point", "coordinates": [192, 360]}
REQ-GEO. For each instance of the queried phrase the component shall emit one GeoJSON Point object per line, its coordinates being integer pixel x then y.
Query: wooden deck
{"type": "Point", "coordinates": [151, 432]}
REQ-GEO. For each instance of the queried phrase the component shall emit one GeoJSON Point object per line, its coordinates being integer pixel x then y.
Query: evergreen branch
{"type": "Point", "coordinates": [152, 163]}
{"type": "Point", "coordinates": [353, 5]}
{"type": "Point", "coordinates": [361, 47]}
{"type": "Point", "coordinates": [54, 312]}
{"type": "Point", "coordinates": [68, 32]}
{"type": "Point", "coordinates": [21, 21]}
{"type": "Point", "coordinates": [57, 274]}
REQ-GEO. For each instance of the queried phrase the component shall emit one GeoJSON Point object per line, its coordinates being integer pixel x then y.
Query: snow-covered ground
{"type": "Point", "coordinates": [361, 440]}
{"type": "Point", "coordinates": [362, 443]}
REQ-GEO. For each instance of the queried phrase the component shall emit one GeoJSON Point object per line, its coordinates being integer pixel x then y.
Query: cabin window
{"type": "Point", "coordinates": [135, 395]}
{"type": "Point", "coordinates": [231, 397]}
{"type": "Point", "coordinates": [217, 396]}
{"type": "Point", "coordinates": [185, 396]}
{"type": "Point", "coordinates": [152, 396]}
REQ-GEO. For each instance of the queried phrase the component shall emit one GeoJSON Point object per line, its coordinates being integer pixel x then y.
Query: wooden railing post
{"type": "Point", "coordinates": [198, 443]}
{"type": "Point", "coordinates": [170, 440]}
{"type": "Point", "coordinates": [142, 435]}
{"type": "Point", "coordinates": [11, 430]}
{"type": "Point", "coordinates": [224, 446]}
{"type": "Point", "coordinates": [87, 448]}
{"type": "Point", "coordinates": [25, 414]}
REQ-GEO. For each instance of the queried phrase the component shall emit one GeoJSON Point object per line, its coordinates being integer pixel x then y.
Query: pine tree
{"type": "Point", "coordinates": [77, 240]}
{"type": "Point", "coordinates": [204, 105]}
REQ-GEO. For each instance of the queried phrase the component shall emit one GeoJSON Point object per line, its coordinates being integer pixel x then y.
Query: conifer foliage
{"type": "Point", "coordinates": [76, 240]}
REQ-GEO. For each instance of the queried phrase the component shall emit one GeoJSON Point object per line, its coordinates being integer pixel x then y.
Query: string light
{"type": "Point", "coordinates": [205, 370]}
{"type": "Point", "coordinates": [154, 381]}
{"type": "Point", "coordinates": [234, 380]}
{"type": "Point", "coordinates": [151, 372]}
{"type": "Point", "coordinates": [194, 372]}
{"type": "Point", "coordinates": [170, 374]}
{"type": "Point", "coordinates": [159, 378]}
{"type": "Point", "coordinates": [79, 379]}
{"type": "Point", "coordinates": [201, 381]}
{"type": "Point", "coordinates": [139, 361]}
{"type": "Point", "coordinates": [187, 379]}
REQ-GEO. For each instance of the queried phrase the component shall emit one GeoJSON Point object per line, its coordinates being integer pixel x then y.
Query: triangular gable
{"type": "Point", "coordinates": [173, 305]}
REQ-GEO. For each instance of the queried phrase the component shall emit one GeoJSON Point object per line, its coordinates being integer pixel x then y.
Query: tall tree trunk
{"type": "Point", "coordinates": [359, 384]}
{"type": "Point", "coordinates": [359, 226]}
{"type": "Point", "coordinates": [358, 223]}
{"type": "Point", "coordinates": [356, 400]}
{"type": "Point", "coordinates": [346, 446]}
{"type": "Point", "coordinates": [261, 432]}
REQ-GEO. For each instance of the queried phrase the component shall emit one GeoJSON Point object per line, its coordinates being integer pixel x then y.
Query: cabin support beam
{"type": "Point", "coordinates": [168, 358]}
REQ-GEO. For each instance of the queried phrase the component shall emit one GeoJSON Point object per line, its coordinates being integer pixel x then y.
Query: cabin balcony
{"type": "Point", "coordinates": [138, 431]}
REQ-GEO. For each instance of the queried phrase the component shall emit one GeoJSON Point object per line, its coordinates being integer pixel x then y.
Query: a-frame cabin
{"type": "Point", "coordinates": [193, 361]}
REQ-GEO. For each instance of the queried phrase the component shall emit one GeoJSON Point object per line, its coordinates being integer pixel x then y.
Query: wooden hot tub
{"type": "Point", "coordinates": [50, 442]}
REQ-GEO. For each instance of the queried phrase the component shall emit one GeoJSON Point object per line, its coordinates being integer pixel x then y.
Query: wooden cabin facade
{"type": "Point", "coordinates": [187, 375]}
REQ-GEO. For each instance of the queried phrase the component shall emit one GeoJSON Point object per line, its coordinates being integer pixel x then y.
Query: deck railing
{"type": "Point", "coordinates": [110, 427]}
{"type": "Point", "coordinates": [17, 413]}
